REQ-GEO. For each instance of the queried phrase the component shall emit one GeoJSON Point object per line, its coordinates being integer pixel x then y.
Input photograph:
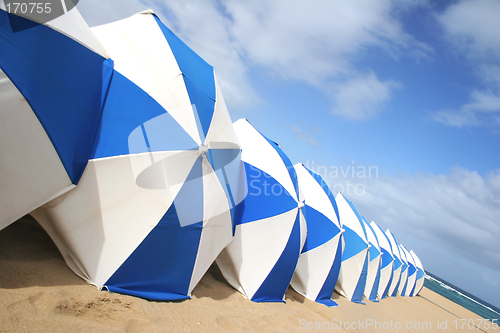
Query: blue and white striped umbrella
{"type": "Point", "coordinates": [53, 79]}
{"type": "Point", "coordinates": [412, 273]}
{"type": "Point", "coordinates": [270, 227]}
{"type": "Point", "coordinates": [420, 275]}
{"type": "Point", "coordinates": [398, 265]}
{"type": "Point", "coordinates": [387, 261]}
{"type": "Point", "coordinates": [155, 205]}
{"type": "Point", "coordinates": [404, 272]}
{"type": "Point", "coordinates": [374, 256]}
{"type": "Point", "coordinates": [319, 263]}
{"type": "Point", "coordinates": [354, 267]}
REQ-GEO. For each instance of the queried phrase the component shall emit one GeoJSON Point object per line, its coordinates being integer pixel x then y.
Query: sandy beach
{"type": "Point", "coordinates": [38, 292]}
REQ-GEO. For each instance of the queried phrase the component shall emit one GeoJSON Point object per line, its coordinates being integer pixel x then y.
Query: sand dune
{"type": "Point", "coordinates": [38, 292]}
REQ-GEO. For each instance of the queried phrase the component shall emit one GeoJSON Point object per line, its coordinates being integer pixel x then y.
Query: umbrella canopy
{"type": "Point", "coordinates": [404, 272]}
{"type": "Point", "coordinates": [398, 263]}
{"type": "Point", "coordinates": [374, 255]}
{"type": "Point", "coordinates": [420, 275]}
{"type": "Point", "coordinates": [319, 263]}
{"type": "Point", "coordinates": [412, 273]}
{"type": "Point", "coordinates": [353, 270]}
{"type": "Point", "coordinates": [154, 207]}
{"type": "Point", "coordinates": [387, 261]}
{"type": "Point", "coordinates": [53, 79]}
{"type": "Point", "coordinates": [270, 226]}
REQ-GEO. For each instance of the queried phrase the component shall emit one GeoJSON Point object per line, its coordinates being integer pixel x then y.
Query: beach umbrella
{"type": "Point", "coordinates": [354, 267]}
{"type": "Point", "coordinates": [412, 273]}
{"type": "Point", "coordinates": [387, 261]}
{"type": "Point", "coordinates": [270, 228]}
{"type": "Point", "coordinates": [374, 262]}
{"type": "Point", "coordinates": [404, 272]}
{"type": "Point", "coordinates": [52, 82]}
{"type": "Point", "coordinates": [153, 208]}
{"type": "Point", "coordinates": [319, 262]}
{"type": "Point", "coordinates": [420, 275]}
{"type": "Point", "coordinates": [398, 263]}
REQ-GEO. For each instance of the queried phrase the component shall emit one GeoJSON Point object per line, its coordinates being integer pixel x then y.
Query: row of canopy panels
{"type": "Point", "coordinates": [118, 141]}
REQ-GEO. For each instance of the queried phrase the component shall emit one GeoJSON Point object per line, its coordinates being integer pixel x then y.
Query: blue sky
{"type": "Point", "coordinates": [409, 88]}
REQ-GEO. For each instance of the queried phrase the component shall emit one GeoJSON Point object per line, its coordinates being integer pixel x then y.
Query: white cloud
{"type": "Point", "coordinates": [310, 42]}
{"type": "Point", "coordinates": [473, 29]}
{"type": "Point", "coordinates": [362, 98]}
{"type": "Point", "coordinates": [473, 26]}
{"type": "Point", "coordinates": [459, 210]}
{"type": "Point", "coordinates": [483, 110]}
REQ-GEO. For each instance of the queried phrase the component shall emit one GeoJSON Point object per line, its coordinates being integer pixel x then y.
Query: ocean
{"type": "Point", "coordinates": [462, 297]}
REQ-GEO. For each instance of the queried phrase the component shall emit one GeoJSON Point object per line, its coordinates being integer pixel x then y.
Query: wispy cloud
{"type": "Point", "coordinates": [362, 98]}
{"type": "Point", "coordinates": [473, 31]}
{"type": "Point", "coordinates": [471, 25]}
{"type": "Point", "coordinates": [483, 110]}
{"type": "Point", "coordinates": [459, 209]}
{"type": "Point", "coordinates": [305, 136]}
